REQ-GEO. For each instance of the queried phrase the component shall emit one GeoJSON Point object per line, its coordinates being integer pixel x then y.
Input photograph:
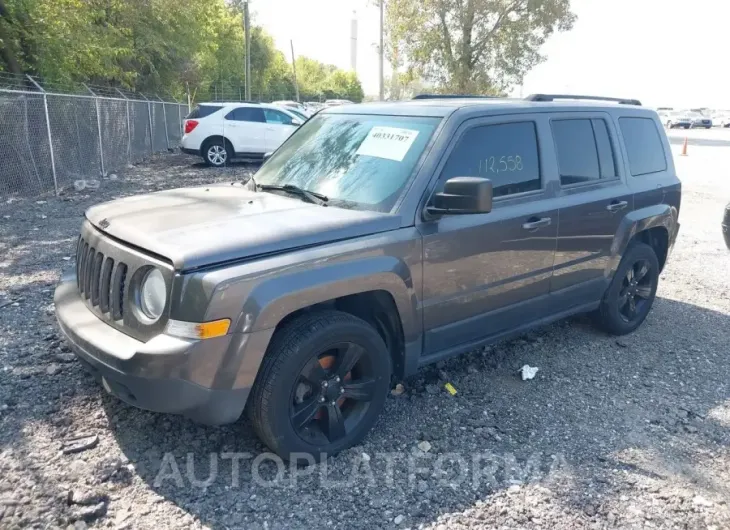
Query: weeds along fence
{"type": "Point", "coordinates": [50, 139]}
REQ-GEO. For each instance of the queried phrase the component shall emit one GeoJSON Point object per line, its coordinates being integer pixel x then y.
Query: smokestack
{"type": "Point", "coordinates": [353, 42]}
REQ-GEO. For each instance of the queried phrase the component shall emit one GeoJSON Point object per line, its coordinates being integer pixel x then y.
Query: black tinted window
{"type": "Point", "coordinates": [247, 114]}
{"type": "Point", "coordinates": [202, 111]}
{"type": "Point", "coordinates": [605, 149]}
{"type": "Point", "coordinates": [577, 153]}
{"type": "Point", "coordinates": [643, 145]}
{"type": "Point", "coordinates": [506, 154]}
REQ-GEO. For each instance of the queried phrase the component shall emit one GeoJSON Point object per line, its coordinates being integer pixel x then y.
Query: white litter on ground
{"type": "Point", "coordinates": [528, 372]}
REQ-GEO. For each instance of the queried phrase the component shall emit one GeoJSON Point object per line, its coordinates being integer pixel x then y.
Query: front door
{"type": "Point", "coordinates": [485, 274]}
{"type": "Point", "coordinates": [278, 128]}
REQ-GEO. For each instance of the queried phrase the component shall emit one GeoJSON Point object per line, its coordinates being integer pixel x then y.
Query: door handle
{"type": "Point", "coordinates": [615, 206]}
{"type": "Point", "coordinates": [533, 223]}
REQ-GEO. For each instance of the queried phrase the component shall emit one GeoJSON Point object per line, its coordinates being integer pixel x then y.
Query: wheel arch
{"type": "Point", "coordinates": [215, 137]}
{"type": "Point", "coordinates": [654, 225]}
{"type": "Point", "coordinates": [378, 290]}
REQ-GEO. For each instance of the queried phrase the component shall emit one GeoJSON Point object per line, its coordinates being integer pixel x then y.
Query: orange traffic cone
{"type": "Point", "coordinates": [684, 147]}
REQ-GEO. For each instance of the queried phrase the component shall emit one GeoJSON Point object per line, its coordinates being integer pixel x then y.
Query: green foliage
{"type": "Point", "coordinates": [472, 46]}
{"type": "Point", "coordinates": [153, 46]}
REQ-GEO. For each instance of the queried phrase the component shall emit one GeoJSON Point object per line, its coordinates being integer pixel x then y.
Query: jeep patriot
{"type": "Point", "coordinates": [377, 239]}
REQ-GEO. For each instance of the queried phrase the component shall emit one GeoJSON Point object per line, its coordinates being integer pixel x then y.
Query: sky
{"type": "Point", "coordinates": [664, 52]}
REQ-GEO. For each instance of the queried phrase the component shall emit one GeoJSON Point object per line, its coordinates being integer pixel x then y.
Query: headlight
{"type": "Point", "coordinates": [153, 294]}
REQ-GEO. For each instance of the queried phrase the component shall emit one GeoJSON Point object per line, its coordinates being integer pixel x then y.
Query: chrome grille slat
{"type": "Point", "coordinates": [106, 281]}
{"type": "Point", "coordinates": [88, 272]}
{"type": "Point", "coordinates": [96, 277]}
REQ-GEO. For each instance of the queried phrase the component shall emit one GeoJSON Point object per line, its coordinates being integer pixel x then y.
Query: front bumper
{"type": "Point", "coordinates": [207, 381]}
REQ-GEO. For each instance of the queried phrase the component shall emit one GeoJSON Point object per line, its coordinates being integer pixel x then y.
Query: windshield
{"type": "Point", "coordinates": [357, 161]}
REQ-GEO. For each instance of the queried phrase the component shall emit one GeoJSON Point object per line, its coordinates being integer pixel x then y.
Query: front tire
{"type": "Point", "coordinates": [322, 385]}
{"type": "Point", "coordinates": [630, 296]}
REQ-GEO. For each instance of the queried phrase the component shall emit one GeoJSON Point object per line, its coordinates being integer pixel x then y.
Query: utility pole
{"type": "Point", "coordinates": [294, 68]}
{"type": "Point", "coordinates": [247, 31]}
{"type": "Point", "coordinates": [382, 51]}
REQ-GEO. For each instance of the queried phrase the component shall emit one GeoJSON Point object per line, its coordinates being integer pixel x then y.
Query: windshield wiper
{"type": "Point", "coordinates": [310, 196]}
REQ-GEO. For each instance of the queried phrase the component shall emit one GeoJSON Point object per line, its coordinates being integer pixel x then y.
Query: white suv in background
{"type": "Point", "coordinates": [220, 132]}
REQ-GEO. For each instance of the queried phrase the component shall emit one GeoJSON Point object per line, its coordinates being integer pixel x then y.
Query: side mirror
{"type": "Point", "coordinates": [296, 121]}
{"type": "Point", "coordinates": [462, 195]}
{"type": "Point", "coordinates": [267, 155]}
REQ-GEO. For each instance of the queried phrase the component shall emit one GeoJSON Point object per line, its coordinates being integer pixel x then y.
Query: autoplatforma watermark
{"type": "Point", "coordinates": [387, 469]}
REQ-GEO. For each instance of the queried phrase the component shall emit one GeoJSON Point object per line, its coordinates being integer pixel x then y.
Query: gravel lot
{"type": "Point", "coordinates": [610, 433]}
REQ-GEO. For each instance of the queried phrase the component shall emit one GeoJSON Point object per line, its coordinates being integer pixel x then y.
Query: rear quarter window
{"type": "Point", "coordinates": [202, 111]}
{"type": "Point", "coordinates": [643, 146]}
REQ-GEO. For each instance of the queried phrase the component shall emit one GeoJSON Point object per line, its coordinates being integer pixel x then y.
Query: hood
{"type": "Point", "coordinates": [194, 227]}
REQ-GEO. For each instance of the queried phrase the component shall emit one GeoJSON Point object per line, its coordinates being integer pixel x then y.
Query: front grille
{"type": "Point", "coordinates": [101, 280]}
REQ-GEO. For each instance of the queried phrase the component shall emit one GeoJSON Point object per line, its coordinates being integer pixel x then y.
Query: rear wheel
{"type": "Point", "coordinates": [216, 152]}
{"type": "Point", "coordinates": [322, 385]}
{"type": "Point", "coordinates": [631, 294]}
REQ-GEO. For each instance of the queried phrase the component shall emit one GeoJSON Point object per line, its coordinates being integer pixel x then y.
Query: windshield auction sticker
{"type": "Point", "coordinates": [388, 142]}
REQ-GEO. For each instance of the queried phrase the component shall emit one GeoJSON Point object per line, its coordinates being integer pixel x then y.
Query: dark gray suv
{"type": "Point", "coordinates": [378, 239]}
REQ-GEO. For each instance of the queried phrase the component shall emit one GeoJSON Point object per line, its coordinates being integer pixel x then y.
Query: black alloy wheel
{"type": "Point", "coordinates": [631, 293]}
{"type": "Point", "coordinates": [321, 385]}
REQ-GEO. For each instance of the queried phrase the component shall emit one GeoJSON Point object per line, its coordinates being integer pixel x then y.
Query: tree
{"type": "Point", "coordinates": [473, 46]}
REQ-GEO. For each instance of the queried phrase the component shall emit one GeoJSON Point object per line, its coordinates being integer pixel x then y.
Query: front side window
{"type": "Point", "coordinates": [584, 150]}
{"type": "Point", "coordinates": [357, 161]}
{"type": "Point", "coordinates": [643, 145]}
{"type": "Point", "coordinates": [505, 153]}
{"type": "Point", "coordinates": [277, 117]}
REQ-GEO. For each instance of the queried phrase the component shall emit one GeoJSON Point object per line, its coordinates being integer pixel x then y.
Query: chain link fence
{"type": "Point", "coordinates": [48, 140]}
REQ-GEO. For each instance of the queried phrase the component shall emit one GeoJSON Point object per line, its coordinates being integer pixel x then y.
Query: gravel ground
{"type": "Point", "coordinates": [610, 433]}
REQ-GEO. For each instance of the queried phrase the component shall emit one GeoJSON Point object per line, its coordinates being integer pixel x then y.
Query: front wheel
{"type": "Point", "coordinates": [323, 383]}
{"type": "Point", "coordinates": [630, 295]}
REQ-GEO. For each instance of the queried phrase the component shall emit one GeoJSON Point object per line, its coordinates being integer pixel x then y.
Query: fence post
{"type": "Point", "coordinates": [129, 128]}
{"type": "Point", "coordinates": [98, 126]}
{"type": "Point", "coordinates": [164, 118]}
{"type": "Point", "coordinates": [50, 135]}
{"type": "Point", "coordinates": [152, 132]}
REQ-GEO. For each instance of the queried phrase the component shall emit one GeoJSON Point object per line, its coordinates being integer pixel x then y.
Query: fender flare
{"type": "Point", "coordinates": [274, 299]}
{"type": "Point", "coordinates": [658, 215]}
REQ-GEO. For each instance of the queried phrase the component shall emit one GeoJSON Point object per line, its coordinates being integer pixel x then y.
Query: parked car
{"type": "Point", "coordinates": [721, 119]}
{"type": "Point", "coordinates": [674, 119]}
{"type": "Point", "coordinates": [293, 105]}
{"type": "Point", "coordinates": [219, 132]}
{"type": "Point", "coordinates": [378, 239]}
{"type": "Point", "coordinates": [337, 102]}
{"type": "Point", "coordinates": [700, 120]}
{"type": "Point", "coordinates": [726, 226]}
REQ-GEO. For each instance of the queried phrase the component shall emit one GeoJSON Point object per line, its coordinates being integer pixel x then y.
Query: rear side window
{"type": "Point", "coordinates": [254, 114]}
{"type": "Point", "coordinates": [201, 111]}
{"type": "Point", "coordinates": [643, 145]}
{"type": "Point", "coordinates": [505, 153]}
{"type": "Point", "coordinates": [584, 150]}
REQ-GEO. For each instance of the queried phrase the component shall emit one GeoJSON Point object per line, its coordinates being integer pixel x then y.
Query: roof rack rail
{"type": "Point", "coordinates": [452, 96]}
{"type": "Point", "coordinates": [553, 97]}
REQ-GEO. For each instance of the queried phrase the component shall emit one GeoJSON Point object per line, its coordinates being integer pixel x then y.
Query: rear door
{"type": "Point", "coordinates": [278, 128]}
{"type": "Point", "coordinates": [246, 127]}
{"type": "Point", "coordinates": [594, 198]}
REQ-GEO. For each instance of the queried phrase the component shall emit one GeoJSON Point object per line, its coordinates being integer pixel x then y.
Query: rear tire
{"type": "Point", "coordinates": [217, 152]}
{"type": "Point", "coordinates": [321, 386]}
{"type": "Point", "coordinates": [630, 296]}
